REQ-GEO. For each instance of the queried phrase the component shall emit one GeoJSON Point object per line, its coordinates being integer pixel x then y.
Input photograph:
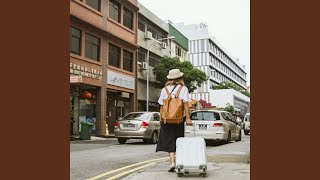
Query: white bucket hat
{"type": "Point", "coordinates": [174, 74]}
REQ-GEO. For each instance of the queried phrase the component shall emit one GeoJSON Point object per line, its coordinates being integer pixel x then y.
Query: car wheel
{"type": "Point", "coordinates": [239, 139]}
{"type": "Point", "coordinates": [154, 138]}
{"type": "Point", "coordinates": [122, 140]}
{"type": "Point", "coordinates": [229, 137]}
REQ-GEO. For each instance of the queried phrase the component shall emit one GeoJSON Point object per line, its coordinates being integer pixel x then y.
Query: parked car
{"type": "Point", "coordinates": [246, 126]}
{"type": "Point", "coordinates": [214, 125]}
{"type": "Point", "coordinates": [138, 125]}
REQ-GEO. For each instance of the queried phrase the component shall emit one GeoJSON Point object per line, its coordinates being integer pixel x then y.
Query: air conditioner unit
{"type": "Point", "coordinates": [148, 35]}
{"type": "Point", "coordinates": [144, 65]}
{"type": "Point", "coordinates": [164, 45]}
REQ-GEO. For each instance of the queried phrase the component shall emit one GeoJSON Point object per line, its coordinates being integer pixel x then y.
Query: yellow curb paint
{"type": "Point", "coordinates": [119, 169]}
{"type": "Point", "coordinates": [130, 171]}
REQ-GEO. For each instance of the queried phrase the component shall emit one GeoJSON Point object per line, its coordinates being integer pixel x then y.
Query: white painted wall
{"type": "Point", "coordinates": [221, 97]}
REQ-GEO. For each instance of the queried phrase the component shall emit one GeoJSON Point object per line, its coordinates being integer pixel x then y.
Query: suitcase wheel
{"type": "Point", "coordinates": [203, 174]}
{"type": "Point", "coordinates": [180, 174]}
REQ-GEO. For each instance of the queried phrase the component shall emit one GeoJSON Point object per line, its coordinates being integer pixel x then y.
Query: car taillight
{"type": "Point", "coordinates": [116, 124]}
{"type": "Point", "coordinates": [144, 124]}
{"type": "Point", "coordinates": [217, 124]}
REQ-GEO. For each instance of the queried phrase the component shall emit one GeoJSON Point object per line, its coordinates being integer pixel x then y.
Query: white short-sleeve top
{"type": "Point", "coordinates": [184, 93]}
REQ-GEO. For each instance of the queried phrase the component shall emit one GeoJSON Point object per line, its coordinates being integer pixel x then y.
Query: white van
{"type": "Point", "coordinates": [246, 122]}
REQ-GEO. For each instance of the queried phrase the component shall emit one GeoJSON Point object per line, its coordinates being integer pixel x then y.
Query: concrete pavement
{"type": "Point", "coordinates": [216, 171]}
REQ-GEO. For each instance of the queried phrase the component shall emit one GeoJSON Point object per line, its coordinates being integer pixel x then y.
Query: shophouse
{"type": "Point", "coordinates": [154, 43]}
{"type": "Point", "coordinates": [103, 54]}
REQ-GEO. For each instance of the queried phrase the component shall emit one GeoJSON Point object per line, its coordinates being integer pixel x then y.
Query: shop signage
{"type": "Point", "coordinates": [84, 71]}
{"type": "Point", "coordinates": [75, 79]}
{"type": "Point", "coordinates": [121, 80]}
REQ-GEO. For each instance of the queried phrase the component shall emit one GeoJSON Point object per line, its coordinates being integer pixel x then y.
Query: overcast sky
{"type": "Point", "coordinates": [228, 21]}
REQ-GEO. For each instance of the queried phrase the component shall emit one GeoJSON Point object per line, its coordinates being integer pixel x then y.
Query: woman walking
{"type": "Point", "coordinates": [170, 132]}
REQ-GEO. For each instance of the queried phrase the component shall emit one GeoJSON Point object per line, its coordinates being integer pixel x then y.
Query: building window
{"type": "Point", "coordinates": [114, 56]}
{"type": "Point", "coordinates": [142, 54]}
{"type": "Point", "coordinates": [114, 10]}
{"type": "Point", "coordinates": [127, 18]}
{"type": "Point", "coordinates": [178, 51]}
{"type": "Point", "coordinates": [92, 47]}
{"type": "Point", "coordinates": [154, 59]}
{"type": "Point", "coordinates": [155, 33]}
{"type": "Point", "coordinates": [95, 4]}
{"type": "Point", "coordinates": [141, 25]}
{"type": "Point", "coordinates": [75, 40]}
{"type": "Point", "coordinates": [127, 60]}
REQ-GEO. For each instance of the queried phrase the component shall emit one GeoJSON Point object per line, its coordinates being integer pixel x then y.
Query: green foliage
{"type": "Point", "coordinates": [192, 77]}
{"type": "Point", "coordinates": [229, 108]}
{"type": "Point", "coordinates": [230, 85]}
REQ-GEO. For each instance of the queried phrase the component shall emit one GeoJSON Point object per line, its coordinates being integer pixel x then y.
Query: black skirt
{"type": "Point", "coordinates": [168, 136]}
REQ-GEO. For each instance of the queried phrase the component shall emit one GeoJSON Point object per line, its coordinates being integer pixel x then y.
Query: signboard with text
{"type": "Point", "coordinates": [75, 79]}
{"type": "Point", "coordinates": [120, 80]}
{"type": "Point", "coordinates": [79, 70]}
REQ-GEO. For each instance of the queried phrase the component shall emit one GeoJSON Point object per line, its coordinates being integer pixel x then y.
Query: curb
{"type": "Point", "coordinates": [229, 158]}
{"type": "Point", "coordinates": [101, 138]}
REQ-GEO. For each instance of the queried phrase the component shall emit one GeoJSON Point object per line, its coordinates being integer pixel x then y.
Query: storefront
{"type": "Point", "coordinates": [120, 96]}
{"type": "Point", "coordinates": [83, 105]}
{"type": "Point", "coordinates": [85, 83]}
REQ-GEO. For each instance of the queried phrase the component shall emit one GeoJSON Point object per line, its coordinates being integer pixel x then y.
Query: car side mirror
{"type": "Point", "coordinates": [120, 118]}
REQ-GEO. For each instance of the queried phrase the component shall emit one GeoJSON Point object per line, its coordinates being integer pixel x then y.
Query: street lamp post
{"type": "Point", "coordinates": [147, 60]}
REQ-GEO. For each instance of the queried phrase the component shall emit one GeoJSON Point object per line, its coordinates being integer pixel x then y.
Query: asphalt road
{"type": "Point", "coordinates": [106, 158]}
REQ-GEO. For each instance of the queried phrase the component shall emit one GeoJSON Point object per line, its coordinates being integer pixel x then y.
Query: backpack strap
{"type": "Point", "coordinates": [177, 94]}
{"type": "Point", "coordinates": [169, 94]}
{"type": "Point", "coordinates": [166, 88]}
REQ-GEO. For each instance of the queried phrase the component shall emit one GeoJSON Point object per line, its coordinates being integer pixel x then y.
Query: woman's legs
{"type": "Point", "coordinates": [172, 160]}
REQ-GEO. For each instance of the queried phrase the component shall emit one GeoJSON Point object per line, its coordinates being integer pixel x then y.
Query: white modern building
{"type": "Point", "coordinates": [222, 97]}
{"type": "Point", "coordinates": [207, 54]}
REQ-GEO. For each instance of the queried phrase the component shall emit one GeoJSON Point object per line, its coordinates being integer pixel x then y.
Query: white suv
{"type": "Point", "coordinates": [246, 125]}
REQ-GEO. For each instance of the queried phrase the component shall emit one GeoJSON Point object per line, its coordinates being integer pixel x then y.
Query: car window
{"type": "Point", "coordinates": [205, 115]}
{"type": "Point", "coordinates": [231, 117]}
{"type": "Point", "coordinates": [140, 116]}
{"type": "Point", "coordinates": [225, 117]}
{"type": "Point", "coordinates": [156, 117]}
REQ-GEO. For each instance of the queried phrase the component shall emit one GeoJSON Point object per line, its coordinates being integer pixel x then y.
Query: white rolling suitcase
{"type": "Point", "coordinates": [191, 156]}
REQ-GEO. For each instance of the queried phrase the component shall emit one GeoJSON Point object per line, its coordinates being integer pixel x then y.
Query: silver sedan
{"type": "Point", "coordinates": [214, 125]}
{"type": "Point", "coordinates": [138, 125]}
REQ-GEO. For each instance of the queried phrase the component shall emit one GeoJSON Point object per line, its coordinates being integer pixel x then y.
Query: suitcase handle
{"type": "Point", "coordinates": [189, 131]}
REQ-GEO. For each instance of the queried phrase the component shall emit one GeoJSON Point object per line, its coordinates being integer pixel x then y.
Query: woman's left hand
{"type": "Point", "coordinates": [189, 122]}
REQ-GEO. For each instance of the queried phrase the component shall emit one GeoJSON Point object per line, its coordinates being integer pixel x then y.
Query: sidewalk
{"type": "Point", "coordinates": [76, 138]}
{"type": "Point", "coordinates": [216, 171]}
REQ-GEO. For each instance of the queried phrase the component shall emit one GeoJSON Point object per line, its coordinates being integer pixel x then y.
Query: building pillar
{"type": "Point", "coordinates": [100, 112]}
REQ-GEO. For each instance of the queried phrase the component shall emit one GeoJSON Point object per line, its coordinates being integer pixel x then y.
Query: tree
{"type": "Point", "coordinates": [230, 85]}
{"type": "Point", "coordinates": [192, 77]}
{"type": "Point", "coordinates": [229, 108]}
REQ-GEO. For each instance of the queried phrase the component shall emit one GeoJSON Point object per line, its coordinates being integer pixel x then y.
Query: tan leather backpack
{"type": "Point", "coordinates": [172, 108]}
